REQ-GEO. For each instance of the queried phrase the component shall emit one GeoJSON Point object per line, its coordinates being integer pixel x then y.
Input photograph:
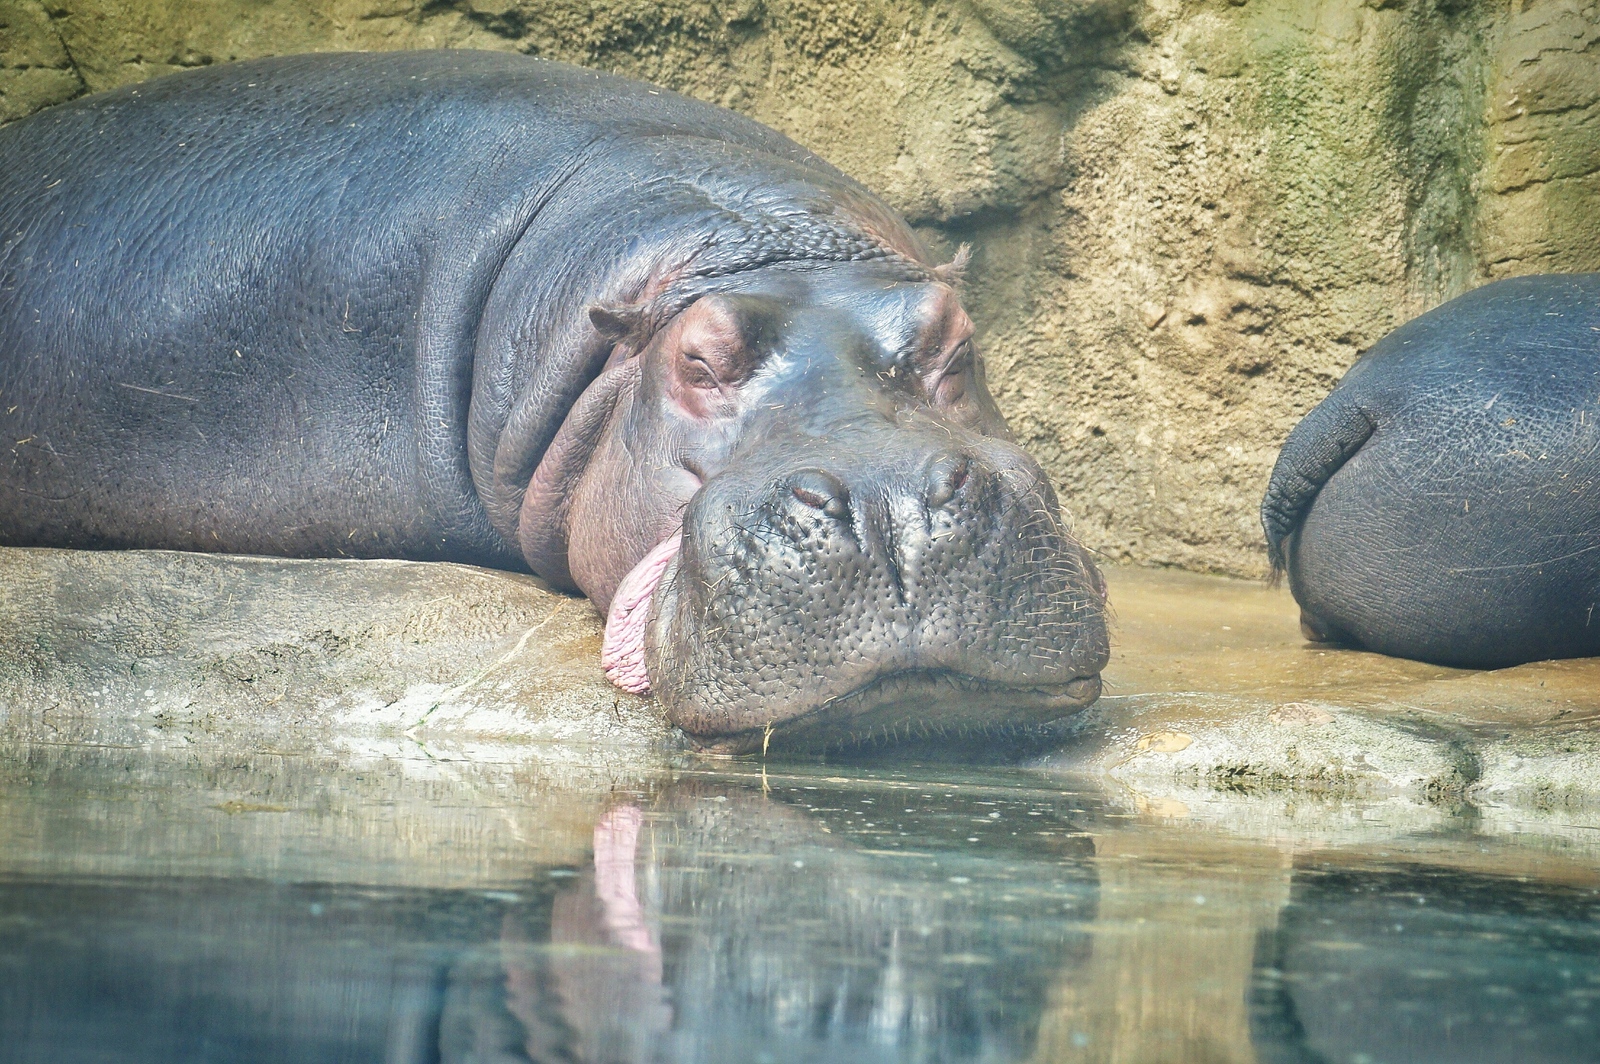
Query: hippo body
{"type": "Point", "coordinates": [1443, 503]}
{"type": "Point", "coordinates": [484, 308]}
{"type": "Point", "coordinates": [266, 258]}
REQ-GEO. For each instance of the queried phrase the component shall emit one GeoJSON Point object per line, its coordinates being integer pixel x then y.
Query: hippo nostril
{"type": "Point", "coordinates": [946, 475]}
{"type": "Point", "coordinates": [821, 490]}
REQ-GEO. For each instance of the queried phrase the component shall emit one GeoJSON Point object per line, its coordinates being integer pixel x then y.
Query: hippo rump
{"type": "Point", "coordinates": [1443, 503]}
{"type": "Point", "coordinates": [489, 309]}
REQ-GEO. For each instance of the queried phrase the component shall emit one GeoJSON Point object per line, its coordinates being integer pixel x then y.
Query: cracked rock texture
{"type": "Point", "coordinates": [1189, 217]}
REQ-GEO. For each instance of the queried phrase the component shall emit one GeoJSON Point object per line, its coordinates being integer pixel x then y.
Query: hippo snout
{"type": "Point", "coordinates": [894, 586]}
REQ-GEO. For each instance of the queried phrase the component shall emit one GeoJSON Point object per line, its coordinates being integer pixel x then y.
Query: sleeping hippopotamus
{"type": "Point", "coordinates": [490, 309]}
{"type": "Point", "coordinates": [1443, 503]}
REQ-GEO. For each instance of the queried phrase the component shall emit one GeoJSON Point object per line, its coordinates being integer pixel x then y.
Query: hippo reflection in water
{"type": "Point", "coordinates": [489, 309]}
{"type": "Point", "coordinates": [668, 951]}
{"type": "Point", "coordinates": [689, 937]}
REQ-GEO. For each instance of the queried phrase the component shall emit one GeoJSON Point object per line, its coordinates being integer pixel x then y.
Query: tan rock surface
{"type": "Point", "coordinates": [334, 658]}
{"type": "Point", "coordinates": [1190, 216]}
{"type": "Point", "coordinates": [1211, 695]}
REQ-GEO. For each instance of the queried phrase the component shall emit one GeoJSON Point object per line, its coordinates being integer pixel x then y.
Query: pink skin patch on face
{"type": "Point", "coordinates": [622, 654]}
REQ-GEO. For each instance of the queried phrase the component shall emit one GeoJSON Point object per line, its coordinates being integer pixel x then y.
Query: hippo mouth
{"type": "Point", "coordinates": [907, 704]}
{"type": "Point", "coordinates": [912, 705]}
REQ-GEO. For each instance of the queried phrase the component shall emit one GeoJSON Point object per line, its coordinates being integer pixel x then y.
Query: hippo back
{"type": "Point", "coordinates": [1443, 503]}
{"type": "Point", "coordinates": [239, 306]}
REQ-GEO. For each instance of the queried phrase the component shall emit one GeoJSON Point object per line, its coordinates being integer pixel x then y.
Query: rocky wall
{"type": "Point", "coordinates": [1189, 216]}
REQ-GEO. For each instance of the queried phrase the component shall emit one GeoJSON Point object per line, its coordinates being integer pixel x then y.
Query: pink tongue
{"type": "Point", "coordinates": [622, 654]}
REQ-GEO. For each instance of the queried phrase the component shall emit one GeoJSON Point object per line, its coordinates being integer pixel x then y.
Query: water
{"type": "Point", "coordinates": [206, 906]}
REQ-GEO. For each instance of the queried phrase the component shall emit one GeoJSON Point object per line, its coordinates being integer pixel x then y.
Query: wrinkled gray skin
{"type": "Point", "coordinates": [1443, 503]}
{"type": "Point", "coordinates": [484, 308]}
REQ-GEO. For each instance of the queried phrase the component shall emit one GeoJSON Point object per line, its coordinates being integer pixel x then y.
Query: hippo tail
{"type": "Point", "coordinates": [1322, 443]}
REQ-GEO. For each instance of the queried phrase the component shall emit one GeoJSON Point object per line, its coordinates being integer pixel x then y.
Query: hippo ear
{"type": "Point", "coordinates": [616, 321]}
{"type": "Point", "coordinates": [954, 272]}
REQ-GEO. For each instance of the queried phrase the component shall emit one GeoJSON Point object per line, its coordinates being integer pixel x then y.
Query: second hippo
{"type": "Point", "coordinates": [1443, 503]}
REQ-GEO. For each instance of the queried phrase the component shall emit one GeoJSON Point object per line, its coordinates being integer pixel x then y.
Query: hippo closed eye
{"type": "Point", "coordinates": [483, 308]}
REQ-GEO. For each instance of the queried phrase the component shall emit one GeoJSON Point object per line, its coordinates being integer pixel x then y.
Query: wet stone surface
{"type": "Point", "coordinates": [325, 657]}
{"type": "Point", "coordinates": [1211, 691]}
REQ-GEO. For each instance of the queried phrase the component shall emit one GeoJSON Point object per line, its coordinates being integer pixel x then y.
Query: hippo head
{"type": "Point", "coordinates": [805, 518]}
